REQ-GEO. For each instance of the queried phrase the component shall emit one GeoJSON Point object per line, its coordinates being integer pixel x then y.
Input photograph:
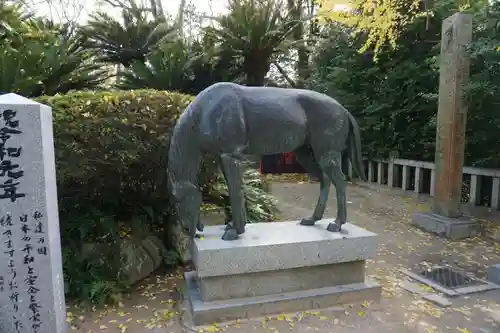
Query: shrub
{"type": "Point", "coordinates": [111, 150]}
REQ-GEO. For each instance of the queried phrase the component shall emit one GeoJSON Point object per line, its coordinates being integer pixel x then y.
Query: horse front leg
{"type": "Point", "coordinates": [233, 176]}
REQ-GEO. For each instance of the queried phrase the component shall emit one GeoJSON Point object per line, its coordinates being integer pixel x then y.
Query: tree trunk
{"type": "Point", "coordinates": [296, 7]}
{"type": "Point", "coordinates": [255, 79]}
{"type": "Point", "coordinates": [256, 68]}
{"type": "Point", "coordinates": [180, 18]}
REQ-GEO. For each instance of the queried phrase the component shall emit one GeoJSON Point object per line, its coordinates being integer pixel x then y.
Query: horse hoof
{"type": "Point", "coordinates": [200, 227]}
{"type": "Point", "coordinates": [230, 234]}
{"type": "Point", "coordinates": [334, 227]}
{"type": "Point", "coordinates": [228, 227]}
{"type": "Point", "coordinates": [307, 221]}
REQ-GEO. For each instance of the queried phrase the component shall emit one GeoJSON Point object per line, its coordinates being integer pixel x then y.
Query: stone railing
{"type": "Point", "coordinates": [419, 176]}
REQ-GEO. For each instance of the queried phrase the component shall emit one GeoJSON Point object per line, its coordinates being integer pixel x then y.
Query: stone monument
{"type": "Point", "coordinates": [278, 267]}
{"type": "Point", "coordinates": [31, 278]}
{"type": "Point", "coordinates": [446, 218]}
{"type": "Point", "coordinates": [267, 268]}
{"type": "Point", "coordinates": [230, 121]}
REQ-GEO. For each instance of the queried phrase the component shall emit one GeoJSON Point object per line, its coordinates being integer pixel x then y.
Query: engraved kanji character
{"type": "Point", "coordinates": [25, 228]}
{"type": "Point", "coordinates": [10, 191]}
{"type": "Point", "coordinates": [6, 221]}
{"type": "Point", "coordinates": [7, 169]}
{"type": "Point", "coordinates": [27, 248]}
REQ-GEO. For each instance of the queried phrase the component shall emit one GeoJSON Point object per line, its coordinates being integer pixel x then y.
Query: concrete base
{"type": "Point", "coordinates": [273, 246]}
{"type": "Point", "coordinates": [277, 267]}
{"type": "Point", "coordinates": [203, 313]}
{"type": "Point", "coordinates": [455, 228]}
{"type": "Point", "coordinates": [494, 274]}
{"type": "Point", "coordinates": [281, 281]}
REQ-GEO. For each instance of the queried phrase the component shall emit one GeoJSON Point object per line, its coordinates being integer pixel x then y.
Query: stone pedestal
{"type": "Point", "coordinates": [446, 179]}
{"type": "Point", "coordinates": [453, 228]}
{"type": "Point", "coordinates": [278, 267]}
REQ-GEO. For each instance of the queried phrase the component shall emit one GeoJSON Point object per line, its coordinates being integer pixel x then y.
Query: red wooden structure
{"type": "Point", "coordinates": [281, 163]}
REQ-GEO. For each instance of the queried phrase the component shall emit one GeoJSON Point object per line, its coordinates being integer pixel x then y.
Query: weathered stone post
{"type": "Point", "coordinates": [452, 114]}
{"type": "Point", "coordinates": [31, 275]}
{"type": "Point", "coordinates": [450, 133]}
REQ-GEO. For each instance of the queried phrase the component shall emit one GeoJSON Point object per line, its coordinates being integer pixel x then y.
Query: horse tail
{"type": "Point", "coordinates": [354, 148]}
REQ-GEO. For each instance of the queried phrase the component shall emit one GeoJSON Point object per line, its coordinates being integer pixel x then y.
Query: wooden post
{"type": "Point", "coordinates": [452, 114]}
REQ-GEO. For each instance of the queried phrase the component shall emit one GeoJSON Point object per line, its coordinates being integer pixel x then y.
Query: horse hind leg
{"type": "Point", "coordinates": [305, 157]}
{"type": "Point", "coordinates": [331, 164]}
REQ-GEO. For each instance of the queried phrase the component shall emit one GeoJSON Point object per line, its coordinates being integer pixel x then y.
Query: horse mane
{"type": "Point", "coordinates": [184, 150]}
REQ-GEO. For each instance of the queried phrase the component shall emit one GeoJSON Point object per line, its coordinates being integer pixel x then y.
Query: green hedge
{"type": "Point", "coordinates": [111, 150]}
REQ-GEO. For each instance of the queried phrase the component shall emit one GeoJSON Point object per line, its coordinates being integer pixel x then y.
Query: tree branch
{"type": "Point", "coordinates": [285, 75]}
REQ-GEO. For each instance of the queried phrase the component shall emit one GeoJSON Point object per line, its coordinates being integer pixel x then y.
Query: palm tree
{"type": "Point", "coordinates": [171, 67]}
{"type": "Point", "coordinates": [132, 40]}
{"type": "Point", "coordinates": [38, 57]}
{"type": "Point", "coordinates": [67, 64]}
{"type": "Point", "coordinates": [256, 31]}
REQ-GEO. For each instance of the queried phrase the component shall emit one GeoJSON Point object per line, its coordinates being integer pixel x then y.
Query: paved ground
{"type": "Point", "coordinates": [378, 209]}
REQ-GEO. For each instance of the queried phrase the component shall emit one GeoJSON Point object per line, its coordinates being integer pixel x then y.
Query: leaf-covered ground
{"type": "Point", "coordinates": [153, 306]}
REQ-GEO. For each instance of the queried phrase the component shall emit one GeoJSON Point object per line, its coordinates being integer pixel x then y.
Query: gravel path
{"type": "Point", "coordinates": [384, 211]}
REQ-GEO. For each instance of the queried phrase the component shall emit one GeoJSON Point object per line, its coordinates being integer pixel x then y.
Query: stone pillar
{"type": "Point", "coordinates": [495, 194]}
{"type": "Point", "coordinates": [475, 190]}
{"type": "Point", "coordinates": [452, 114]}
{"type": "Point", "coordinates": [392, 173]}
{"type": "Point", "coordinates": [370, 171]}
{"type": "Point", "coordinates": [31, 276]}
{"type": "Point", "coordinates": [405, 184]}
{"type": "Point", "coordinates": [349, 170]}
{"type": "Point", "coordinates": [418, 180]}
{"type": "Point", "coordinates": [380, 172]}
{"type": "Point", "coordinates": [446, 178]}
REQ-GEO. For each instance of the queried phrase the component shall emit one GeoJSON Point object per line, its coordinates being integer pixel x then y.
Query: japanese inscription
{"type": "Point", "coordinates": [10, 171]}
{"type": "Point", "coordinates": [32, 246]}
{"type": "Point", "coordinates": [31, 284]}
{"type": "Point", "coordinates": [13, 293]}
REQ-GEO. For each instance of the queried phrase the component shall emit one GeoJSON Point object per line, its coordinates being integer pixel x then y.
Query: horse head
{"type": "Point", "coordinates": [187, 197]}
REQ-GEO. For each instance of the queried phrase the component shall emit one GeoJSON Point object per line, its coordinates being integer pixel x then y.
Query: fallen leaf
{"type": "Point", "coordinates": [463, 330]}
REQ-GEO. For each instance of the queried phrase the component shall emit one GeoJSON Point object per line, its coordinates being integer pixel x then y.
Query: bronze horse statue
{"type": "Point", "coordinates": [230, 120]}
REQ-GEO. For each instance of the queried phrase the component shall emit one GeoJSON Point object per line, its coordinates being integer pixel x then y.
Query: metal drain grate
{"type": "Point", "coordinates": [448, 277]}
{"type": "Point", "coordinates": [449, 281]}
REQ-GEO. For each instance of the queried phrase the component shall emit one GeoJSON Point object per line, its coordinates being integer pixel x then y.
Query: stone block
{"type": "Point", "coordinates": [438, 300]}
{"type": "Point", "coordinates": [281, 281]}
{"type": "Point", "coordinates": [203, 313]}
{"type": "Point", "coordinates": [31, 275]}
{"type": "Point", "coordinates": [454, 228]}
{"type": "Point", "coordinates": [136, 264]}
{"type": "Point", "coordinates": [272, 246]}
{"type": "Point", "coordinates": [494, 274]}
{"type": "Point", "coordinates": [155, 248]}
{"type": "Point", "coordinates": [179, 241]}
